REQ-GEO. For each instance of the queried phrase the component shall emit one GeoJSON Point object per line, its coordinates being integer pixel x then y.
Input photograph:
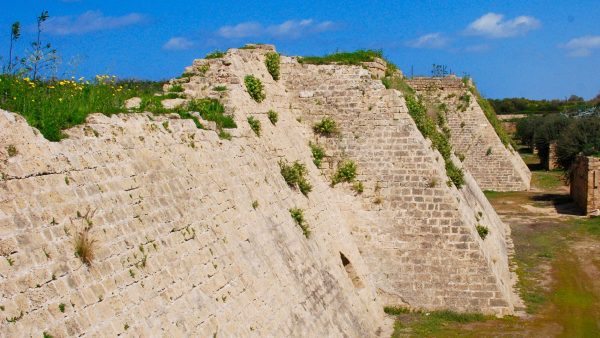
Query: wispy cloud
{"type": "Point", "coordinates": [431, 40]}
{"type": "Point", "coordinates": [178, 43]}
{"type": "Point", "coordinates": [90, 21]}
{"type": "Point", "coordinates": [494, 25]}
{"type": "Point", "coordinates": [291, 29]}
{"type": "Point", "coordinates": [582, 46]}
{"type": "Point", "coordinates": [477, 48]}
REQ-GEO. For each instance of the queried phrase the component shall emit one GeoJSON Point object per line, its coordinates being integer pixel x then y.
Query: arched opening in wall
{"type": "Point", "coordinates": [352, 274]}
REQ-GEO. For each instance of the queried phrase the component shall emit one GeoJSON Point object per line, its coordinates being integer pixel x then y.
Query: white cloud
{"type": "Point", "coordinates": [90, 21]}
{"type": "Point", "coordinates": [494, 26]}
{"type": "Point", "coordinates": [291, 29]}
{"type": "Point", "coordinates": [178, 43]}
{"type": "Point", "coordinates": [582, 46]}
{"type": "Point", "coordinates": [432, 40]}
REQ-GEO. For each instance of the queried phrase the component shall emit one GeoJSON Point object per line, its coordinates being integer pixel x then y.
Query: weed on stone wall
{"type": "Point", "coordinates": [439, 141]}
{"type": "Point", "coordinates": [272, 60]}
{"type": "Point", "coordinates": [273, 116]}
{"type": "Point", "coordinates": [254, 125]}
{"type": "Point", "coordinates": [482, 230]}
{"type": "Point", "coordinates": [215, 55]}
{"type": "Point", "coordinates": [346, 172]}
{"type": "Point", "coordinates": [11, 150]}
{"type": "Point", "coordinates": [326, 127]}
{"type": "Point", "coordinates": [255, 88]}
{"type": "Point", "coordinates": [298, 217]}
{"type": "Point", "coordinates": [294, 176]}
{"type": "Point", "coordinates": [318, 153]}
{"type": "Point", "coordinates": [343, 58]}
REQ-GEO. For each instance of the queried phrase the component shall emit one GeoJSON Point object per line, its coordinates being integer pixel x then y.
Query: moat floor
{"type": "Point", "coordinates": [557, 256]}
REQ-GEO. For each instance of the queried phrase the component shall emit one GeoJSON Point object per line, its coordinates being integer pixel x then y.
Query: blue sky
{"type": "Point", "coordinates": [534, 49]}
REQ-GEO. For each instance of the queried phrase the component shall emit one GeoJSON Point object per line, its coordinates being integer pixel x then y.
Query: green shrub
{"type": "Point", "coordinates": [398, 83]}
{"type": "Point", "coordinates": [255, 88]}
{"type": "Point", "coordinates": [61, 307]}
{"type": "Point", "coordinates": [212, 110]}
{"type": "Point", "coordinates": [273, 116]}
{"type": "Point", "coordinates": [298, 217]}
{"type": "Point", "coordinates": [326, 127]}
{"type": "Point", "coordinates": [346, 172]}
{"type": "Point", "coordinates": [358, 187]}
{"type": "Point", "coordinates": [582, 136]}
{"type": "Point", "coordinates": [294, 176]}
{"type": "Point", "coordinates": [439, 141]}
{"type": "Point", "coordinates": [343, 58]}
{"type": "Point", "coordinates": [224, 135]}
{"type": "Point", "coordinates": [395, 310]}
{"type": "Point", "coordinates": [186, 75]}
{"type": "Point", "coordinates": [272, 60]}
{"type": "Point", "coordinates": [482, 230]}
{"type": "Point", "coordinates": [176, 89]}
{"type": "Point", "coordinates": [215, 55]}
{"type": "Point", "coordinates": [318, 153]}
{"type": "Point", "coordinates": [220, 88]}
{"type": "Point", "coordinates": [254, 125]}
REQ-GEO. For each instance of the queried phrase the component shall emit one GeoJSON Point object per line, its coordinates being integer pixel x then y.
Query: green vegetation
{"type": "Point", "coordinates": [212, 110]}
{"type": "Point", "coordinates": [482, 230]}
{"type": "Point", "coordinates": [61, 307]}
{"type": "Point", "coordinates": [254, 204]}
{"type": "Point", "coordinates": [294, 176]}
{"type": "Point", "coordinates": [429, 324]}
{"type": "Point", "coordinates": [176, 88]}
{"type": "Point", "coordinates": [255, 88]}
{"type": "Point", "coordinates": [254, 125]}
{"type": "Point", "coordinates": [272, 60]}
{"type": "Point", "coordinates": [326, 127]}
{"type": "Point", "coordinates": [318, 153]}
{"type": "Point", "coordinates": [47, 335]}
{"type": "Point", "coordinates": [215, 55]}
{"type": "Point", "coordinates": [273, 116]}
{"type": "Point", "coordinates": [298, 217]}
{"type": "Point", "coordinates": [343, 58]}
{"type": "Point", "coordinates": [527, 106]}
{"type": "Point", "coordinates": [346, 172]}
{"type": "Point", "coordinates": [358, 187]}
{"type": "Point", "coordinates": [398, 83]}
{"type": "Point", "coordinates": [439, 141]}
{"type": "Point", "coordinates": [582, 136]}
{"type": "Point", "coordinates": [220, 88]}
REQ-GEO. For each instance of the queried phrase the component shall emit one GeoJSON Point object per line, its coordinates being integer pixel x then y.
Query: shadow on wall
{"type": "Point", "coordinates": [352, 274]}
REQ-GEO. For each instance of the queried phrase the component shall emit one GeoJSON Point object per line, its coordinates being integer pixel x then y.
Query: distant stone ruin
{"type": "Point", "coordinates": [192, 233]}
{"type": "Point", "coordinates": [585, 184]}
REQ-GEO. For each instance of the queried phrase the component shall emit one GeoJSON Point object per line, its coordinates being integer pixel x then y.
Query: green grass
{"type": "Point", "coordinates": [298, 217]}
{"type": "Point", "coordinates": [428, 324]}
{"type": "Point", "coordinates": [547, 179]}
{"type": "Point", "coordinates": [343, 58]}
{"type": "Point", "coordinates": [398, 83]}
{"type": "Point", "coordinates": [212, 110]}
{"type": "Point", "coordinates": [215, 55]}
{"type": "Point", "coordinates": [587, 226]}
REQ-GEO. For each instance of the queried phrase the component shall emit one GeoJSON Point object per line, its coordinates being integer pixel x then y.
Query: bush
{"type": "Point", "coordinates": [318, 153]}
{"type": "Point", "coordinates": [582, 136]}
{"type": "Point", "coordinates": [482, 230]}
{"type": "Point", "coordinates": [346, 172]}
{"type": "Point", "coordinates": [298, 217]}
{"type": "Point", "coordinates": [548, 131]}
{"type": "Point", "coordinates": [273, 116]}
{"type": "Point", "coordinates": [272, 60]}
{"type": "Point", "coordinates": [215, 55]}
{"type": "Point", "coordinates": [255, 88]}
{"type": "Point", "coordinates": [254, 125]}
{"type": "Point", "coordinates": [176, 89]}
{"type": "Point", "coordinates": [212, 110]}
{"type": "Point", "coordinates": [343, 58]}
{"type": "Point", "coordinates": [526, 129]}
{"type": "Point", "coordinates": [294, 176]}
{"type": "Point", "coordinates": [439, 141]}
{"type": "Point", "coordinates": [358, 187]}
{"type": "Point", "coordinates": [398, 83]}
{"type": "Point", "coordinates": [326, 127]}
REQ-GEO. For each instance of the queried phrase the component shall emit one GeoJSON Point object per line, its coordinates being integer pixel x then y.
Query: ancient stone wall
{"type": "Point", "coordinates": [493, 165]}
{"type": "Point", "coordinates": [420, 243]}
{"type": "Point", "coordinates": [179, 248]}
{"type": "Point", "coordinates": [585, 184]}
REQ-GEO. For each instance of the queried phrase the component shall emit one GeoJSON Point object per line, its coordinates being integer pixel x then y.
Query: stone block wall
{"type": "Point", "coordinates": [585, 184]}
{"type": "Point", "coordinates": [493, 165]}
{"type": "Point", "coordinates": [420, 242]}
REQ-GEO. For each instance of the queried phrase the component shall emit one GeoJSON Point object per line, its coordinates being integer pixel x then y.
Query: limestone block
{"type": "Point", "coordinates": [133, 103]}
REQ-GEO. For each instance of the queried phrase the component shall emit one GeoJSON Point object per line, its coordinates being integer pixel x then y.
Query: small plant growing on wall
{"type": "Point", "coordinates": [488, 152]}
{"type": "Point", "coordinates": [254, 125]}
{"type": "Point", "coordinates": [273, 116]}
{"type": "Point", "coordinates": [327, 126]}
{"type": "Point", "coordinates": [294, 176]}
{"type": "Point", "coordinates": [11, 150]}
{"type": "Point", "coordinates": [272, 62]}
{"type": "Point", "coordinates": [482, 230]}
{"type": "Point", "coordinates": [358, 187]}
{"type": "Point", "coordinates": [318, 153]}
{"type": "Point", "coordinates": [346, 172]}
{"type": "Point", "coordinates": [298, 217]}
{"type": "Point", "coordinates": [255, 88]}
{"type": "Point", "coordinates": [83, 242]}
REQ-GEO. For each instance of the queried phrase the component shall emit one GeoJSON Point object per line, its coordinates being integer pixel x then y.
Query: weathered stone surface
{"type": "Point", "coordinates": [585, 184]}
{"type": "Point", "coordinates": [493, 165]}
{"type": "Point", "coordinates": [133, 103]}
{"type": "Point", "coordinates": [173, 103]}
